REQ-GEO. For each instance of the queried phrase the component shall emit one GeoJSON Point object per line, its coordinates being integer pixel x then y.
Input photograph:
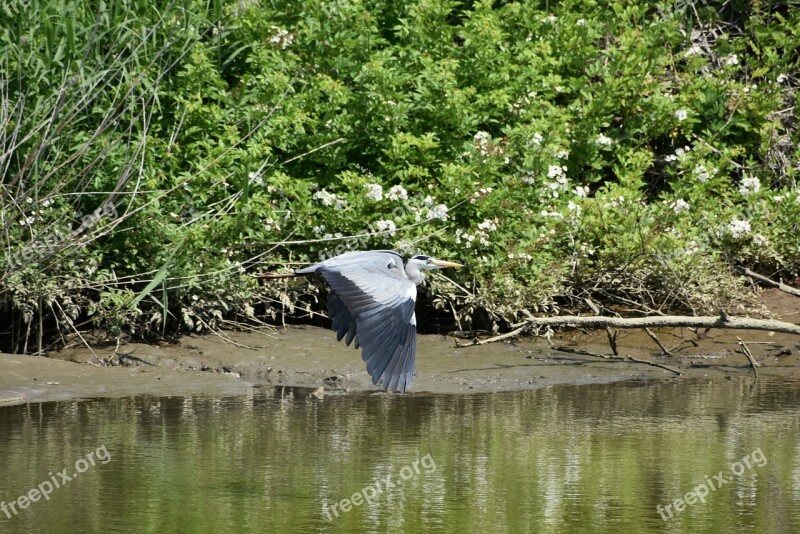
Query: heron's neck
{"type": "Point", "coordinates": [414, 273]}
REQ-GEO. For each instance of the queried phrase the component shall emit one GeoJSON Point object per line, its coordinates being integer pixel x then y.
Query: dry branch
{"type": "Point", "coordinates": [779, 285]}
{"type": "Point", "coordinates": [749, 355]}
{"type": "Point", "coordinates": [722, 321]}
{"type": "Point", "coordinates": [654, 337]}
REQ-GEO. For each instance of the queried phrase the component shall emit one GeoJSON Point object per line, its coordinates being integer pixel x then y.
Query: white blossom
{"type": "Point", "coordinates": [730, 60]}
{"type": "Point", "coordinates": [616, 202]}
{"type": "Point", "coordinates": [465, 238]}
{"type": "Point", "coordinates": [556, 171]}
{"type": "Point", "coordinates": [374, 192]}
{"type": "Point", "coordinates": [693, 50]}
{"type": "Point", "coordinates": [751, 184]}
{"type": "Point", "coordinates": [330, 199]}
{"type": "Point", "coordinates": [483, 143]}
{"type": "Point", "coordinates": [386, 226]}
{"type": "Point", "coordinates": [520, 255]}
{"type": "Point", "coordinates": [680, 205]}
{"type": "Point", "coordinates": [739, 228]}
{"type": "Point", "coordinates": [537, 139]}
{"type": "Point", "coordinates": [325, 197]}
{"type": "Point", "coordinates": [603, 140]}
{"type": "Point", "coordinates": [281, 37]}
{"type": "Point", "coordinates": [760, 240]}
{"type": "Point", "coordinates": [488, 225]}
{"type": "Point", "coordinates": [781, 78]}
{"type": "Point", "coordinates": [397, 192]}
{"type": "Point", "coordinates": [580, 22]}
{"type": "Point", "coordinates": [681, 114]}
{"type": "Point", "coordinates": [701, 173]}
{"type": "Point", "coordinates": [581, 191]}
{"type": "Point", "coordinates": [679, 153]}
{"type": "Point", "coordinates": [438, 212]}
{"type": "Point", "coordinates": [554, 214]}
{"type": "Point", "coordinates": [527, 177]}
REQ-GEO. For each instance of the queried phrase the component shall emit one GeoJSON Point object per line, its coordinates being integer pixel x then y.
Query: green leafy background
{"type": "Point", "coordinates": [155, 155]}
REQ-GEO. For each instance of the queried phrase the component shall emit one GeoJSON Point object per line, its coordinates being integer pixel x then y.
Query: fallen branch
{"type": "Point", "coordinates": [779, 285]}
{"type": "Point", "coordinates": [723, 321]}
{"type": "Point", "coordinates": [664, 349]}
{"type": "Point", "coordinates": [501, 337]}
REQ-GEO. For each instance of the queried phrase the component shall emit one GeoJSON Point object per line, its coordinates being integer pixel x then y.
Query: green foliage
{"type": "Point", "coordinates": [626, 152]}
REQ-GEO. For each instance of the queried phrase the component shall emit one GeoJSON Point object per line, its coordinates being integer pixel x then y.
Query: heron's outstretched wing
{"type": "Point", "coordinates": [372, 302]}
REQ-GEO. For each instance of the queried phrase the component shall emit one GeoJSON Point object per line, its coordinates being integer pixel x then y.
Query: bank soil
{"type": "Point", "coordinates": [311, 357]}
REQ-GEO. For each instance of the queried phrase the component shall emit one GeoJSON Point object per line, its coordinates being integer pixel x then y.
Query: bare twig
{"type": "Point", "coordinates": [612, 340]}
{"type": "Point", "coordinates": [69, 321]}
{"type": "Point", "coordinates": [664, 349]}
{"type": "Point", "coordinates": [749, 355]}
{"type": "Point", "coordinates": [494, 339]}
{"type": "Point", "coordinates": [654, 364]}
{"type": "Point", "coordinates": [617, 358]}
{"type": "Point", "coordinates": [326, 145]}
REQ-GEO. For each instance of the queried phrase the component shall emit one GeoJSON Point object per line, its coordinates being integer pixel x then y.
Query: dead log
{"type": "Point", "coordinates": [721, 321]}
{"type": "Point", "coordinates": [783, 287]}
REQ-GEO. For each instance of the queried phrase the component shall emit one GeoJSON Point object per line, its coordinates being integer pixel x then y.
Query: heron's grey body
{"type": "Point", "coordinates": [371, 303]}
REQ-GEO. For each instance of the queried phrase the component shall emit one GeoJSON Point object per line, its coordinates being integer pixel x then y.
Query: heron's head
{"type": "Point", "coordinates": [427, 263]}
{"type": "Point", "coordinates": [416, 265]}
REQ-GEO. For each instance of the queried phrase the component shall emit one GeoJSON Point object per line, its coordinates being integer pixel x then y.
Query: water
{"type": "Point", "coordinates": [559, 459]}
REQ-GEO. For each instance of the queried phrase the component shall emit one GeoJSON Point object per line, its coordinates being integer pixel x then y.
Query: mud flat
{"type": "Point", "coordinates": [311, 357]}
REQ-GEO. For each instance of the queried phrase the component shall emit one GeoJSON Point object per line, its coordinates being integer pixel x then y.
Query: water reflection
{"type": "Point", "coordinates": [561, 458]}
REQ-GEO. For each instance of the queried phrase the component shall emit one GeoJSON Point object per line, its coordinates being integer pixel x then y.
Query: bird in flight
{"type": "Point", "coordinates": [371, 303]}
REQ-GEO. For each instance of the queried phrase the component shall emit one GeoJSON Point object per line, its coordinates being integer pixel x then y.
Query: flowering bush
{"type": "Point", "coordinates": [630, 152]}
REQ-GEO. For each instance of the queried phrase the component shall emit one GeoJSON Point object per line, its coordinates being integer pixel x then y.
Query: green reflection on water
{"type": "Point", "coordinates": [571, 458]}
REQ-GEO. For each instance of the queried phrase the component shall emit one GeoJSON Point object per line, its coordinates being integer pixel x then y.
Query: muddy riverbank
{"type": "Point", "coordinates": [311, 357]}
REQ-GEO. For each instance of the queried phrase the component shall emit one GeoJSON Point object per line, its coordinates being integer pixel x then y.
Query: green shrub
{"type": "Point", "coordinates": [627, 152]}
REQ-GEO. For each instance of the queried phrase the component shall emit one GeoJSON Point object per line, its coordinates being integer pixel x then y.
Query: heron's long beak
{"type": "Point", "coordinates": [442, 264]}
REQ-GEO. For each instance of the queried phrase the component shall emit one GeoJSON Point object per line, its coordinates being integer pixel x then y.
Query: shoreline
{"type": "Point", "coordinates": [310, 357]}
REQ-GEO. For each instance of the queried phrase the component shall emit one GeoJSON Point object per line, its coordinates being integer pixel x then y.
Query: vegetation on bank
{"type": "Point", "coordinates": [154, 155]}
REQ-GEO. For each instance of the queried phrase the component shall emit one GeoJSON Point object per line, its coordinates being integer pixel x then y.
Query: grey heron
{"type": "Point", "coordinates": [371, 303]}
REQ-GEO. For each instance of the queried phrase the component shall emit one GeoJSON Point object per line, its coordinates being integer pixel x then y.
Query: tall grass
{"type": "Point", "coordinates": [86, 122]}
